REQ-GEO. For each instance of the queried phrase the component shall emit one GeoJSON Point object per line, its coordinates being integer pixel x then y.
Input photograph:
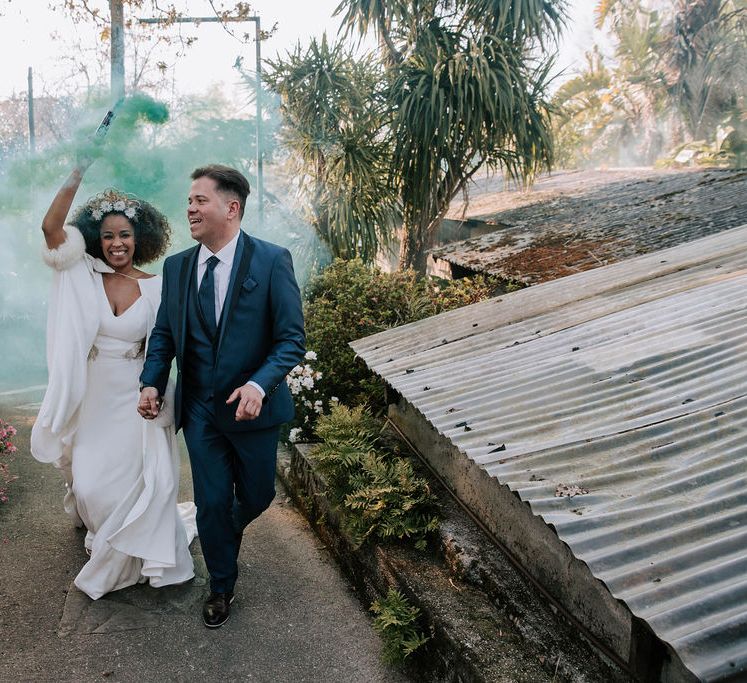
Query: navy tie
{"type": "Point", "coordinates": [206, 295]}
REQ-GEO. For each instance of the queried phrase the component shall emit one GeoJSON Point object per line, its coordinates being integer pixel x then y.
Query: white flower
{"type": "Point", "coordinates": [119, 205]}
{"type": "Point", "coordinates": [334, 399]}
{"type": "Point", "coordinates": [307, 383]}
{"type": "Point", "coordinates": [310, 355]}
{"type": "Point", "coordinates": [130, 212]}
{"type": "Point", "coordinates": [294, 434]}
{"type": "Point", "coordinates": [106, 207]}
{"type": "Point", "coordinates": [97, 215]}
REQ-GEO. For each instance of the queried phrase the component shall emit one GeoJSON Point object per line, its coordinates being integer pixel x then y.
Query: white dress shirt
{"type": "Point", "coordinates": [221, 278]}
{"type": "Point", "coordinates": [221, 273]}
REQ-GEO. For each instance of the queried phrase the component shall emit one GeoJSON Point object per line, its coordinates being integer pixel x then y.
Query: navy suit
{"type": "Point", "coordinates": [260, 337]}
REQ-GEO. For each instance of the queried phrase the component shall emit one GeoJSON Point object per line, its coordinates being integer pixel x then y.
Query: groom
{"type": "Point", "coordinates": [231, 315]}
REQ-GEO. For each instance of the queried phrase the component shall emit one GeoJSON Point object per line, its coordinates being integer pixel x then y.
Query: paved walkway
{"type": "Point", "coordinates": [295, 618]}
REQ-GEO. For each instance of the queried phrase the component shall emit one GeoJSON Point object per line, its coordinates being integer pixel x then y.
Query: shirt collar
{"type": "Point", "coordinates": [225, 255]}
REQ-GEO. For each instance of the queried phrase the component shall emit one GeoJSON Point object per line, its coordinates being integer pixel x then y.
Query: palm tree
{"type": "Point", "coordinates": [334, 127]}
{"type": "Point", "coordinates": [707, 59]}
{"type": "Point", "coordinates": [465, 88]}
{"type": "Point", "coordinates": [584, 116]}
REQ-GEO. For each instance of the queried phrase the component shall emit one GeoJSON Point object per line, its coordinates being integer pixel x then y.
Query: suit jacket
{"type": "Point", "coordinates": [260, 336]}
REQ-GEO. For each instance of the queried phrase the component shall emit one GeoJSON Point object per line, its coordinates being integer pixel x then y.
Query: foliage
{"type": "Point", "coordinates": [617, 114]}
{"type": "Point", "coordinates": [7, 432]}
{"type": "Point", "coordinates": [454, 86]}
{"type": "Point", "coordinates": [466, 94]}
{"type": "Point", "coordinates": [377, 488]}
{"type": "Point", "coordinates": [676, 81]}
{"type": "Point", "coordinates": [152, 48]}
{"type": "Point", "coordinates": [346, 437]}
{"type": "Point", "coordinates": [397, 622]}
{"type": "Point", "coordinates": [447, 295]}
{"type": "Point", "coordinates": [349, 300]}
{"type": "Point", "coordinates": [707, 41]}
{"type": "Point", "coordinates": [333, 122]}
{"type": "Point", "coordinates": [729, 148]}
{"type": "Point", "coordinates": [389, 502]}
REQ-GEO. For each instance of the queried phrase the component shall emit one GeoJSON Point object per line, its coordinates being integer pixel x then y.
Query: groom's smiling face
{"type": "Point", "coordinates": [209, 211]}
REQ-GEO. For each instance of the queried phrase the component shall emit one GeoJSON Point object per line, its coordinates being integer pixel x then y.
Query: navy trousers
{"type": "Point", "coordinates": [234, 482]}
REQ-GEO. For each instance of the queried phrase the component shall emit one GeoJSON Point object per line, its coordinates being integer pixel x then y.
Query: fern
{"type": "Point", "coordinates": [396, 622]}
{"type": "Point", "coordinates": [347, 437]}
{"type": "Point", "coordinates": [378, 490]}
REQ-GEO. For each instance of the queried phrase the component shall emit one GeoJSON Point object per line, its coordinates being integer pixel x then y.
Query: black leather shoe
{"type": "Point", "coordinates": [217, 609]}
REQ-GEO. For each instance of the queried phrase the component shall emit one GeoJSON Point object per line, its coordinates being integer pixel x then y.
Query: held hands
{"type": "Point", "coordinates": [248, 408]}
{"type": "Point", "coordinates": [150, 403]}
{"type": "Point", "coordinates": [250, 402]}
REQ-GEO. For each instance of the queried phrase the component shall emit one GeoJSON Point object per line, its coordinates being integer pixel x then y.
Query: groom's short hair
{"type": "Point", "coordinates": [227, 180]}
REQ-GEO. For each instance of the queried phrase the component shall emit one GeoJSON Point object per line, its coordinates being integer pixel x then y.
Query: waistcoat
{"type": "Point", "coordinates": [199, 352]}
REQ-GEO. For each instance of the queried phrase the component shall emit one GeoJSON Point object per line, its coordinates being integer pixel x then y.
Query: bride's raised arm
{"type": "Point", "coordinates": [54, 220]}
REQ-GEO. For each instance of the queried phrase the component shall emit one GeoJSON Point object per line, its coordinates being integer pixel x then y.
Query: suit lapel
{"type": "Point", "coordinates": [239, 272]}
{"type": "Point", "coordinates": [186, 275]}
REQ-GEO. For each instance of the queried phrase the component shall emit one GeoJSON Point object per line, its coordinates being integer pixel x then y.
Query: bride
{"type": "Point", "coordinates": [121, 472]}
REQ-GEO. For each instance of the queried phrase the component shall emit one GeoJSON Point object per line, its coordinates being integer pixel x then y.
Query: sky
{"type": "Point", "coordinates": [26, 27]}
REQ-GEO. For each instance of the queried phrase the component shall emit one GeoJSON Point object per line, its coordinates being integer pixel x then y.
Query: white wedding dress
{"type": "Point", "coordinates": [122, 472]}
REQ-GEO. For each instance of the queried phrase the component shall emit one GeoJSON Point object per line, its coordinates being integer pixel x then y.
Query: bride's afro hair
{"type": "Point", "coordinates": [151, 227]}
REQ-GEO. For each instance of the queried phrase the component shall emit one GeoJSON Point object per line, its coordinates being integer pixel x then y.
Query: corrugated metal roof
{"type": "Point", "coordinates": [575, 221]}
{"type": "Point", "coordinates": [629, 382]}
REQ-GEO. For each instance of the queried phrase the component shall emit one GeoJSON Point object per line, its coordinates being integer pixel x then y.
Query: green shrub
{"type": "Point", "coordinates": [349, 300]}
{"type": "Point", "coordinates": [397, 622]}
{"type": "Point", "coordinates": [376, 488]}
{"type": "Point", "coordinates": [346, 438]}
{"type": "Point", "coordinates": [387, 500]}
{"type": "Point", "coordinates": [449, 294]}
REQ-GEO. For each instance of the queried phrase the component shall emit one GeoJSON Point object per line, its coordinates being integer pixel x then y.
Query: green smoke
{"type": "Point", "coordinates": [148, 151]}
{"type": "Point", "coordinates": [142, 107]}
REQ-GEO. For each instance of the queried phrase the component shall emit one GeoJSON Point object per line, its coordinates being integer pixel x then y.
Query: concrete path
{"type": "Point", "coordinates": [295, 618]}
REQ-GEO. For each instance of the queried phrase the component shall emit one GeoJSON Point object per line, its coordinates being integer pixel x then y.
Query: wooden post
{"type": "Point", "coordinates": [260, 179]}
{"type": "Point", "coordinates": [118, 49]}
{"type": "Point", "coordinates": [32, 132]}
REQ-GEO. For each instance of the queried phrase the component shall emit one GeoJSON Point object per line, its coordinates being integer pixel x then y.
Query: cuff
{"type": "Point", "coordinates": [68, 253]}
{"type": "Point", "coordinates": [257, 387]}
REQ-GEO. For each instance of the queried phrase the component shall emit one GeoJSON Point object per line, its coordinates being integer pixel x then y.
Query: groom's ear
{"type": "Point", "coordinates": [234, 207]}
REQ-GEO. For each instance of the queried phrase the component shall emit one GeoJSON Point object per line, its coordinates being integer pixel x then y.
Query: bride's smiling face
{"type": "Point", "coordinates": [117, 241]}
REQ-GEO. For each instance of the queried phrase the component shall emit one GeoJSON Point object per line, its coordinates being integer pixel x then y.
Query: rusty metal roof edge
{"type": "Point", "coordinates": [637, 267]}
